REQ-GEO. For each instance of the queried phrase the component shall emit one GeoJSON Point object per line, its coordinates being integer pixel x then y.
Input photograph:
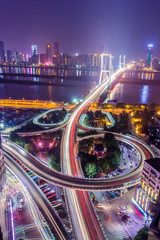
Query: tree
{"type": "Point", "coordinates": [54, 163]}
{"type": "Point", "coordinates": [91, 169]}
{"type": "Point", "coordinates": [98, 114]}
{"type": "Point", "coordinates": [105, 166]}
{"type": "Point", "coordinates": [29, 147]}
{"type": "Point", "coordinates": [116, 160]}
{"type": "Point", "coordinates": [13, 136]}
{"type": "Point", "coordinates": [90, 115]}
{"type": "Point", "coordinates": [142, 234]}
{"type": "Point", "coordinates": [109, 140]}
{"type": "Point", "coordinates": [86, 144]}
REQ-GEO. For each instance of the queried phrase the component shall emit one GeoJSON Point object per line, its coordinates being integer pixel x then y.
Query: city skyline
{"type": "Point", "coordinates": [80, 119]}
{"type": "Point", "coordinates": [117, 27]}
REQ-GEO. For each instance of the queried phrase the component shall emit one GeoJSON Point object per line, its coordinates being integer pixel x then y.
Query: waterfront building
{"type": "Point", "coordinates": [155, 64]}
{"type": "Point", "coordinates": [49, 52]}
{"type": "Point", "coordinates": [56, 48]}
{"type": "Point", "coordinates": [34, 50]}
{"type": "Point", "coordinates": [80, 60]}
{"type": "Point", "coordinates": [27, 58]}
{"type": "Point", "coordinates": [18, 57]}
{"type": "Point", "coordinates": [34, 54]}
{"type": "Point", "coordinates": [149, 56]}
{"type": "Point", "coordinates": [9, 56]}
{"type": "Point", "coordinates": [2, 52]}
{"type": "Point", "coordinates": [93, 60]}
{"type": "Point", "coordinates": [64, 59]}
{"type": "Point", "coordinates": [147, 194]}
{"type": "Point", "coordinates": [42, 58]}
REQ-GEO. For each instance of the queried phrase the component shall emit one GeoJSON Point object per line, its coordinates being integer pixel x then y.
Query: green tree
{"type": "Point", "coordinates": [109, 140]}
{"type": "Point", "coordinates": [116, 160]}
{"type": "Point", "coordinates": [13, 136]}
{"type": "Point", "coordinates": [90, 169]}
{"type": "Point", "coordinates": [54, 163]}
{"type": "Point", "coordinates": [142, 234]}
{"type": "Point", "coordinates": [29, 147]}
{"type": "Point", "coordinates": [105, 166]}
{"type": "Point", "coordinates": [86, 144]}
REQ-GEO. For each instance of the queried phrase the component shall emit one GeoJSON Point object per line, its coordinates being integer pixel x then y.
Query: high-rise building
{"type": "Point", "coordinates": [56, 48]}
{"type": "Point", "coordinates": [2, 52]}
{"type": "Point", "coordinates": [34, 50]}
{"type": "Point", "coordinates": [19, 57]}
{"type": "Point", "coordinates": [42, 58]}
{"type": "Point", "coordinates": [49, 52]}
{"type": "Point", "coordinates": [156, 64]}
{"type": "Point", "coordinates": [149, 56]}
{"type": "Point", "coordinates": [147, 195]}
{"type": "Point", "coordinates": [9, 56]}
{"type": "Point", "coordinates": [34, 54]}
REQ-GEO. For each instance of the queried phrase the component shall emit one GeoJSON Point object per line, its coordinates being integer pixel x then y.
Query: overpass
{"type": "Point", "coordinates": [80, 208]}
{"type": "Point", "coordinates": [51, 217]}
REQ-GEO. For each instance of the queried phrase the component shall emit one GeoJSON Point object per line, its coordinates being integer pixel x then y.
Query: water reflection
{"type": "Point", "coordinates": [145, 94]}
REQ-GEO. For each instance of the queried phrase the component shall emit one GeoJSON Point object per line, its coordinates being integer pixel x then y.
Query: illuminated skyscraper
{"type": "Point", "coordinates": [34, 50]}
{"type": "Point", "coordinates": [9, 56]}
{"type": "Point", "coordinates": [2, 53]}
{"type": "Point", "coordinates": [149, 56]}
{"type": "Point", "coordinates": [49, 52]}
{"type": "Point", "coordinates": [56, 48]}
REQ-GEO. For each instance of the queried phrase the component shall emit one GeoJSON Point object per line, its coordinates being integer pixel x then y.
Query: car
{"type": "Point", "coordinates": [117, 193]}
{"type": "Point", "coordinates": [20, 209]}
{"type": "Point", "coordinates": [21, 201]}
{"type": "Point", "coordinates": [101, 205]}
{"type": "Point", "coordinates": [122, 212]}
{"type": "Point", "coordinates": [122, 207]}
{"type": "Point", "coordinates": [125, 218]}
{"type": "Point", "coordinates": [114, 174]}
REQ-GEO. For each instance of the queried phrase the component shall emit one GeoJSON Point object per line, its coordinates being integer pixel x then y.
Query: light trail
{"type": "Point", "coordinates": [40, 201]}
{"type": "Point", "coordinates": [84, 221]}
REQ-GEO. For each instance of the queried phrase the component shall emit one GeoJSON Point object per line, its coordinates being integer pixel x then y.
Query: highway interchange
{"type": "Point", "coordinates": [84, 220]}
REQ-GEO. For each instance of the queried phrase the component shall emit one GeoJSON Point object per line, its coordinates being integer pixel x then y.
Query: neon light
{"type": "Point", "coordinates": [145, 214]}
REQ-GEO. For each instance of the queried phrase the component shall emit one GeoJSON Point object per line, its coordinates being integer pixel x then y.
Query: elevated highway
{"type": "Point", "coordinates": [85, 223]}
{"type": "Point", "coordinates": [55, 224]}
{"type": "Point", "coordinates": [80, 183]}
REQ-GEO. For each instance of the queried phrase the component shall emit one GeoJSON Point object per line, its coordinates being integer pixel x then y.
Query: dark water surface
{"type": "Point", "coordinates": [133, 93]}
{"type": "Point", "coordinates": [127, 93]}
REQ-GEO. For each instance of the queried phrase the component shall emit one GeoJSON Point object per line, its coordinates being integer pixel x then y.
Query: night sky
{"type": "Point", "coordinates": [121, 26]}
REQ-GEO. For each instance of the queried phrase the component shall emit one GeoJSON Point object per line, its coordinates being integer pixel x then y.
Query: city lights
{"type": "Point", "coordinates": [79, 120]}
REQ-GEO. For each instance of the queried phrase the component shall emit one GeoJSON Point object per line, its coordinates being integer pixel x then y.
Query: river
{"type": "Point", "coordinates": [126, 93]}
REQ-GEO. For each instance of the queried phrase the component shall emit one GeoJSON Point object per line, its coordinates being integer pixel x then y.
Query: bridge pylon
{"type": "Point", "coordinates": [122, 63]}
{"type": "Point", "coordinates": [105, 66]}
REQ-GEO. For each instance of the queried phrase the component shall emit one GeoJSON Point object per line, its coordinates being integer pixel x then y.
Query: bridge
{"type": "Point", "coordinates": [148, 77]}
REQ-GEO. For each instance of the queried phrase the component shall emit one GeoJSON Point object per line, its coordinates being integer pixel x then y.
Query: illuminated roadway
{"type": "Point", "coordinates": [80, 183]}
{"type": "Point", "coordinates": [54, 222]}
{"type": "Point", "coordinates": [85, 223]}
{"type": "Point", "coordinates": [84, 220]}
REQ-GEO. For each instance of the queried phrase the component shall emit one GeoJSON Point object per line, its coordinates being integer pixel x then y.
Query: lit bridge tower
{"type": "Point", "coordinates": [105, 67]}
{"type": "Point", "coordinates": [122, 63]}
